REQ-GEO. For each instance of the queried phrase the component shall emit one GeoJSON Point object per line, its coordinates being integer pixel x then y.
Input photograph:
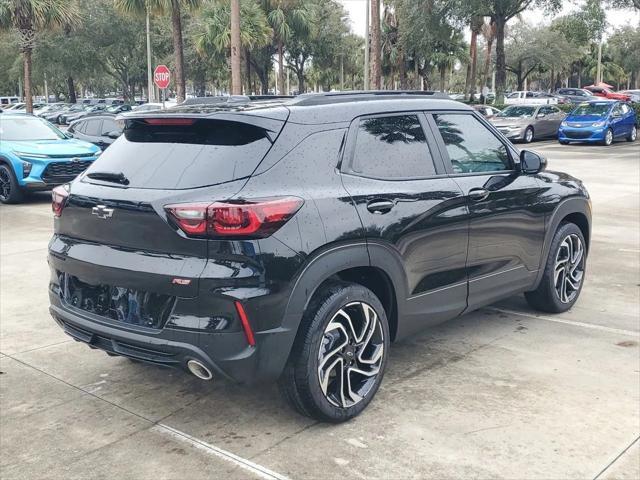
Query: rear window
{"type": "Point", "coordinates": [181, 153]}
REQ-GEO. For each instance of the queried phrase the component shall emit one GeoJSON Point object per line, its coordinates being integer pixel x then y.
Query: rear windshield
{"type": "Point", "coordinates": [187, 154]}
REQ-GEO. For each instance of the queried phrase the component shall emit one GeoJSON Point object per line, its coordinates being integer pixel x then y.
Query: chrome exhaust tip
{"type": "Point", "coordinates": [199, 370]}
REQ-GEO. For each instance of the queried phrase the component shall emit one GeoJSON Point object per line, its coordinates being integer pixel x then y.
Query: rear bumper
{"type": "Point", "coordinates": [202, 323]}
{"type": "Point", "coordinates": [226, 354]}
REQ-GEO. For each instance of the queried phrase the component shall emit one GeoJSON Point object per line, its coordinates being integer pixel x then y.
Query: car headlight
{"type": "Point", "coordinates": [564, 124]}
{"type": "Point", "coordinates": [26, 169]}
{"type": "Point", "coordinates": [98, 153]}
{"type": "Point", "coordinates": [601, 123]}
{"type": "Point", "coordinates": [31, 155]}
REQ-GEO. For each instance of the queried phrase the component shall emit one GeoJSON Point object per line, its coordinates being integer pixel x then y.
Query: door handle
{"type": "Point", "coordinates": [380, 206]}
{"type": "Point", "coordinates": [477, 194]}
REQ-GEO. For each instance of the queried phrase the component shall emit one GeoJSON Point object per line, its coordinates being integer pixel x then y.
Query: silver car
{"type": "Point", "coordinates": [529, 122]}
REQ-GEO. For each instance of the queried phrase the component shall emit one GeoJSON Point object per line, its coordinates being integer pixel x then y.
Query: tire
{"type": "Point", "coordinates": [528, 135]}
{"type": "Point", "coordinates": [563, 142]}
{"type": "Point", "coordinates": [608, 138]}
{"type": "Point", "coordinates": [10, 190]}
{"type": "Point", "coordinates": [633, 135]}
{"type": "Point", "coordinates": [554, 294]}
{"type": "Point", "coordinates": [322, 331]}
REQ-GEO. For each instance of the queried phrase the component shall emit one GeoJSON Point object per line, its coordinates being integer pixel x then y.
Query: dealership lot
{"type": "Point", "coordinates": [501, 392]}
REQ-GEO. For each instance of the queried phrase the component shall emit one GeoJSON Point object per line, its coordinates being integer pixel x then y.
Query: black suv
{"type": "Point", "coordinates": [295, 241]}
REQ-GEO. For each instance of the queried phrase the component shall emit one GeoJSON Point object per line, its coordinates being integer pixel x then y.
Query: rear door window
{"type": "Point", "coordinates": [93, 128]}
{"type": "Point", "coordinates": [392, 147]}
{"type": "Point", "coordinates": [108, 126]}
{"type": "Point", "coordinates": [181, 153]}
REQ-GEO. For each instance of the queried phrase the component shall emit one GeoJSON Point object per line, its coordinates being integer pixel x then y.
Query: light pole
{"type": "Point", "coordinates": [599, 68]}
{"type": "Point", "coordinates": [150, 89]}
{"type": "Point", "coordinates": [366, 48]}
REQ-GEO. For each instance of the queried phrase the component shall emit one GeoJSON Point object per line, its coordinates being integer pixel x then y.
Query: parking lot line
{"type": "Point", "coordinates": [258, 470]}
{"type": "Point", "coordinates": [602, 328]}
{"type": "Point", "coordinates": [617, 457]}
{"type": "Point", "coordinates": [248, 465]}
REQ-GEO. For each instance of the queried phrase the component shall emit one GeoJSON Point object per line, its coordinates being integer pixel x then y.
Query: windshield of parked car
{"type": "Point", "coordinates": [514, 112]}
{"type": "Point", "coordinates": [27, 128]}
{"type": "Point", "coordinates": [597, 109]}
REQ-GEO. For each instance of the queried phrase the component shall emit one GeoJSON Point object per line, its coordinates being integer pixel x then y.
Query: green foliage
{"type": "Point", "coordinates": [213, 32]}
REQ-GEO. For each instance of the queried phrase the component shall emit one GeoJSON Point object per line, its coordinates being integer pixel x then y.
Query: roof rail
{"type": "Point", "coordinates": [339, 97]}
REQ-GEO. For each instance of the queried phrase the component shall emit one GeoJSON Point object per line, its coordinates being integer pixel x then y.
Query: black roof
{"type": "Point", "coordinates": [317, 108]}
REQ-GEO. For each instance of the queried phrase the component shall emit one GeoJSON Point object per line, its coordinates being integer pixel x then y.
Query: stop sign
{"type": "Point", "coordinates": [161, 76]}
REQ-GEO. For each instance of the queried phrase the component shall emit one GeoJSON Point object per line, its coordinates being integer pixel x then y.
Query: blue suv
{"type": "Point", "coordinates": [34, 155]}
{"type": "Point", "coordinates": [599, 122]}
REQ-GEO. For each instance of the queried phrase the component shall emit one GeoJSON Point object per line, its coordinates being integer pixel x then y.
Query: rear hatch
{"type": "Point", "coordinates": [114, 230]}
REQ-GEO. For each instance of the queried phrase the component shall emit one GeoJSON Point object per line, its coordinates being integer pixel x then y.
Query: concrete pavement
{"type": "Point", "coordinates": [501, 392]}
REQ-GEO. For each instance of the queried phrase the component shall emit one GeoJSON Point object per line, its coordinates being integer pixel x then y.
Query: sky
{"type": "Point", "coordinates": [615, 18]}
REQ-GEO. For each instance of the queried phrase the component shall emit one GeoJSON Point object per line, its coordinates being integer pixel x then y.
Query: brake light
{"type": "Point", "coordinates": [170, 121]}
{"type": "Point", "coordinates": [59, 197]}
{"type": "Point", "coordinates": [250, 219]}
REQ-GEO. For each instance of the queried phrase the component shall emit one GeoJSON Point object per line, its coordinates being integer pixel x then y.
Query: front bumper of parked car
{"type": "Point", "coordinates": [512, 132]}
{"type": "Point", "coordinates": [46, 173]}
{"type": "Point", "coordinates": [581, 134]}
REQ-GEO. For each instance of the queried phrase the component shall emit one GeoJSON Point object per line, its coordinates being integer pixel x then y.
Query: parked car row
{"type": "Point", "coordinates": [600, 121]}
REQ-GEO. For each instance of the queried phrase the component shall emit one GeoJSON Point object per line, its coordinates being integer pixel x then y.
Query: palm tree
{"type": "Point", "coordinates": [165, 6]}
{"type": "Point", "coordinates": [28, 17]}
{"type": "Point", "coordinates": [489, 34]}
{"type": "Point", "coordinates": [236, 84]}
{"type": "Point", "coordinates": [214, 33]}
{"type": "Point", "coordinates": [376, 65]}
{"type": "Point", "coordinates": [285, 17]}
{"type": "Point", "coordinates": [476, 25]}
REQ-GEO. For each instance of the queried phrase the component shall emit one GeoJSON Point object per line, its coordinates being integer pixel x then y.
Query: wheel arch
{"type": "Point", "coordinates": [369, 265]}
{"type": "Point", "coordinates": [576, 210]}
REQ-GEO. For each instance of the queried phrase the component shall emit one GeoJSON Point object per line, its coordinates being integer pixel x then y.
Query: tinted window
{"type": "Point", "coordinates": [392, 147]}
{"type": "Point", "coordinates": [471, 146]}
{"type": "Point", "coordinates": [76, 127]}
{"type": "Point", "coordinates": [93, 127]}
{"type": "Point", "coordinates": [547, 110]}
{"type": "Point", "coordinates": [108, 126]}
{"type": "Point", "coordinates": [186, 154]}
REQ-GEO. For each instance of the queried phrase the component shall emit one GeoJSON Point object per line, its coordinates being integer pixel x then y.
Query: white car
{"type": "Point", "coordinates": [530, 98]}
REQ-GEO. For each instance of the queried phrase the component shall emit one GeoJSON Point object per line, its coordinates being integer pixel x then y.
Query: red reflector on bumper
{"type": "Point", "coordinates": [245, 324]}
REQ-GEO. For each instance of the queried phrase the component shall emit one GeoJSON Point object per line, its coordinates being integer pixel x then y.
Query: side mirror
{"type": "Point", "coordinates": [68, 134]}
{"type": "Point", "coordinates": [114, 134]}
{"type": "Point", "coordinates": [531, 162]}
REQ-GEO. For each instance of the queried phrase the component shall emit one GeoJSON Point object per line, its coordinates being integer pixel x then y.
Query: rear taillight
{"type": "Point", "coordinates": [247, 219]}
{"type": "Point", "coordinates": [59, 197]}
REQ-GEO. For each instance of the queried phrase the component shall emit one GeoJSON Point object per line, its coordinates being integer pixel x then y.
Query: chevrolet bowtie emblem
{"type": "Point", "coordinates": [102, 211]}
